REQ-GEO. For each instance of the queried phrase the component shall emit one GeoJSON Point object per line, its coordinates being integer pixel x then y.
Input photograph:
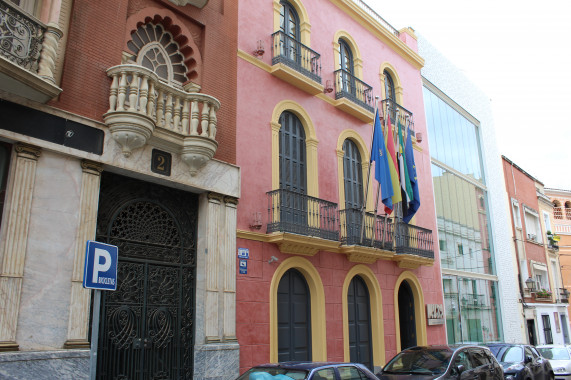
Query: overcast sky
{"type": "Point", "coordinates": [519, 54]}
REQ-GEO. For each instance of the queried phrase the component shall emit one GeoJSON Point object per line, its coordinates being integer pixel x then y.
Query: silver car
{"type": "Point", "coordinates": [560, 359]}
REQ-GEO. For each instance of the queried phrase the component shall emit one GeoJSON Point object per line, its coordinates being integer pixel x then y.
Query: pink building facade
{"type": "Point", "coordinates": [310, 284]}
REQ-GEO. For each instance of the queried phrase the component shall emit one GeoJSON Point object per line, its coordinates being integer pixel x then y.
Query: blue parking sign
{"type": "Point", "coordinates": [100, 266]}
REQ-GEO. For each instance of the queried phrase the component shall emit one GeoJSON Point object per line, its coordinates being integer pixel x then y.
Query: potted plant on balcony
{"type": "Point", "coordinates": [543, 293]}
{"type": "Point", "coordinates": [553, 239]}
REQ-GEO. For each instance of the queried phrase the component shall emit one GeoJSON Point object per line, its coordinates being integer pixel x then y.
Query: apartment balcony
{"type": "Point", "coordinates": [28, 52]}
{"type": "Point", "coordinates": [563, 295]}
{"type": "Point", "coordinates": [413, 245]}
{"type": "Point", "coordinates": [353, 96]}
{"type": "Point", "coordinates": [301, 224]}
{"type": "Point", "coordinates": [296, 64]}
{"type": "Point", "coordinates": [145, 110]}
{"type": "Point", "coordinates": [365, 237]}
{"type": "Point", "coordinates": [395, 110]}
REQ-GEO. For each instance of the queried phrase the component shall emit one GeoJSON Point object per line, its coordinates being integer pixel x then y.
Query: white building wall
{"type": "Point", "coordinates": [448, 78]}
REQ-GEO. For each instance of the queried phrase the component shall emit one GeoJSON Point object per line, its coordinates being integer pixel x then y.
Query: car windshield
{"type": "Point", "coordinates": [273, 373]}
{"type": "Point", "coordinates": [510, 354]}
{"type": "Point", "coordinates": [554, 353]}
{"type": "Point", "coordinates": [425, 361]}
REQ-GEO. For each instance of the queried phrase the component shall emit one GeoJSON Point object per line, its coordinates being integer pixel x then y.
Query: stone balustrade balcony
{"type": "Point", "coordinates": [28, 52]}
{"type": "Point", "coordinates": [144, 109]}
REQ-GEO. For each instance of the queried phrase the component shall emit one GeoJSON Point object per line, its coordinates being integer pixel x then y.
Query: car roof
{"type": "Point", "coordinates": [443, 347]}
{"type": "Point", "coordinates": [301, 365]}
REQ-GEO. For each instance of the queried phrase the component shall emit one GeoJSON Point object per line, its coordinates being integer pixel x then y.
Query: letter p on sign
{"type": "Point", "coordinates": [100, 266]}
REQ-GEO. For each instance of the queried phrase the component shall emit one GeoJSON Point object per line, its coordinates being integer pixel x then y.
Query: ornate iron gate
{"type": "Point", "coordinates": [147, 325]}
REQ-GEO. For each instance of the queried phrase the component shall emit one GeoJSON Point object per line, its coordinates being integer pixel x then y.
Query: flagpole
{"type": "Point", "coordinates": [363, 206]}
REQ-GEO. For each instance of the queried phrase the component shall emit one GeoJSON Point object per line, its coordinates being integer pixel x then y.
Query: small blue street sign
{"type": "Point", "coordinates": [100, 266]}
{"type": "Point", "coordinates": [243, 253]}
{"type": "Point", "coordinates": [243, 266]}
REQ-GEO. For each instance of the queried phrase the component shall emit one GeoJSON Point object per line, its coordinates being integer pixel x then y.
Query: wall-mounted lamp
{"type": "Point", "coordinates": [328, 87]}
{"type": "Point", "coordinates": [272, 259]}
{"type": "Point", "coordinates": [259, 49]}
{"type": "Point", "coordinates": [530, 284]}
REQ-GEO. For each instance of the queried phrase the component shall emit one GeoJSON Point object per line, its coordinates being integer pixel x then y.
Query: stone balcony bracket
{"type": "Point", "coordinates": [144, 109]}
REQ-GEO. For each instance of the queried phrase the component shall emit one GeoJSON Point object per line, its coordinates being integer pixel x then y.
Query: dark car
{"type": "Point", "coordinates": [443, 362]}
{"type": "Point", "coordinates": [308, 371]}
{"type": "Point", "coordinates": [521, 362]}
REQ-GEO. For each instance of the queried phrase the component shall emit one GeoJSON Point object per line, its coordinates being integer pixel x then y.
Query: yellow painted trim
{"type": "Point", "coordinates": [254, 61]}
{"type": "Point", "coordinates": [251, 235]}
{"type": "Point", "coordinates": [317, 300]}
{"type": "Point", "coordinates": [304, 25]}
{"type": "Point", "coordinates": [310, 145]}
{"type": "Point", "coordinates": [383, 34]}
{"type": "Point", "coordinates": [357, 58]}
{"type": "Point", "coordinates": [364, 152]}
{"type": "Point", "coordinates": [396, 81]}
{"type": "Point", "coordinates": [376, 303]}
{"type": "Point", "coordinates": [419, 314]}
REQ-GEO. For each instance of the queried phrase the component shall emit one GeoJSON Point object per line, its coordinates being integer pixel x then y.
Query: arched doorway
{"type": "Point", "coordinates": [359, 312]}
{"type": "Point", "coordinates": [294, 317]}
{"type": "Point", "coordinates": [407, 318]}
{"type": "Point", "coordinates": [146, 326]}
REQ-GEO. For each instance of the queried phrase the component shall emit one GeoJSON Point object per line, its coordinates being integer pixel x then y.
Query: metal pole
{"type": "Point", "coordinates": [94, 333]}
{"type": "Point", "coordinates": [368, 174]}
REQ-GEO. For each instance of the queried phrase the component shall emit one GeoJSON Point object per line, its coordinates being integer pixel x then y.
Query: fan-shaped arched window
{"type": "Point", "coordinates": [156, 50]}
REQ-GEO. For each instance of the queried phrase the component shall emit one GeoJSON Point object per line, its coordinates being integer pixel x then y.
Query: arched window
{"type": "Point", "coordinates": [557, 210]}
{"type": "Point", "coordinates": [156, 50]}
{"type": "Point", "coordinates": [294, 317]}
{"type": "Point", "coordinates": [289, 26]}
{"type": "Point", "coordinates": [390, 93]}
{"type": "Point", "coordinates": [353, 175]}
{"type": "Point", "coordinates": [568, 210]}
{"type": "Point", "coordinates": [347, 68]}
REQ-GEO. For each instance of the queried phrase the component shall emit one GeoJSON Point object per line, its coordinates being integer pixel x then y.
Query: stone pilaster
{"type": "Point", "coordinates": [228, 259]}
{"type": "Point", "coordinates": [14, 244]}
{"type": "Point", "coordinates": [78, 324]}
{"type": "Point", "coordinates": [212, 316]}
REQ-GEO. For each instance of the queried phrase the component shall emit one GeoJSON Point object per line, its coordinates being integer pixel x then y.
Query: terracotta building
{"type": "Point", "coordinates": [544, 300]}
{"type": "Point", "coordinates": [312, 286]}
{"type": "Point", "coordinates": [117, 124]}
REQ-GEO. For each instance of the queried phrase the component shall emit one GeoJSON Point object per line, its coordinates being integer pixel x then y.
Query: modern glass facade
{"type": "Point", "coordinates": [466, 253]}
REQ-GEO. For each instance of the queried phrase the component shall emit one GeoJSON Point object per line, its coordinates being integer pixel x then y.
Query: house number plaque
{"type": "Point", "coordinates": [161, 162]}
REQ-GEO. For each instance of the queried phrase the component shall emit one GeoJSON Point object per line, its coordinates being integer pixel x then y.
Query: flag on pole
{"type": "Point", "coordinates": [414, 204]}
{"type": "Point", "coordinates": [393, 165]}
{"type": "Point", "coordinates": [407, 195]}
{"type": "Point", "coordinates": [379, 155]}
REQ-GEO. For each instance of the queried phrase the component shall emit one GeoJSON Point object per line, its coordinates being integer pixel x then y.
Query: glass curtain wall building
{"type": "Point", "coordinates": [466, 253]}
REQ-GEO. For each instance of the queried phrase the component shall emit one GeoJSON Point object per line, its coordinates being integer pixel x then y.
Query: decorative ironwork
{"type": "Point", "coordinates": [413, 240]}
{"type": "Point", "coordinates": [376, 16]}
{"type": "Point", "coordinates": [404, 115]}
{"type": "Point", "coordinates": [349, 86]}
{"type": "Point", "coordinates": [147, 325]}
{"type": "Point", "coordinates": [292, 53]}
{"type": "Point", "coordinates": [298, 213]}
{"type": "Point", "coordinates": [20, 37]}
{"type": "Point", "coordinates": [377, 231]}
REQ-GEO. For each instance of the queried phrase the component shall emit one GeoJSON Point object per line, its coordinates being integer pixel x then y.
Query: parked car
{"type": "Point", "coordinates": [308, 371]}
{"type": "Point", "coordinates": [521, 362]}
{"type": "Point", "coordinates": [443, 362]}
{"type": "Point", "coordinates": [560, 359]}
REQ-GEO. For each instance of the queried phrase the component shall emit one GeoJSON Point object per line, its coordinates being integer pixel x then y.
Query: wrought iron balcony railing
{"type": "Point", "coordinates": [473, 300]}
{"type": "Point", "coordinates": [413, 240]}
{"type": "Point", "coordinates": [377, 231]}
{"type": "Point", "coordinates": [21, 37]}
{"type": "Point", "coordinates": [292, 53]}
{"type": "Point", "coordinates": [376, 16]}
{"type": "Point", "coordinates": [393, 108]}
{"type": "Point", "coordinates": [349, 86]}
{"type": "Point", "coordinates": [289, 211]}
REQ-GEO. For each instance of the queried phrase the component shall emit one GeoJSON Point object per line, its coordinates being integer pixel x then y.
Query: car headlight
{"type": "Point", "coordinates": [559, 369]}
{"type": "Point", "coordinates": [509, 377]}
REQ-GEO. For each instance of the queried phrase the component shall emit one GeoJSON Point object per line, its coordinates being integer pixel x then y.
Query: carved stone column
{"type": "Point", "coordinates": [15, 240]}
{"type": "Point", "coordinates": [215, 242]}
{"type": "Point", "coordinates": [229, 270]}
{"type": "Point", "coordinates": [78, 324]}
{"type": "Point", "coordinates": [47, 64]}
